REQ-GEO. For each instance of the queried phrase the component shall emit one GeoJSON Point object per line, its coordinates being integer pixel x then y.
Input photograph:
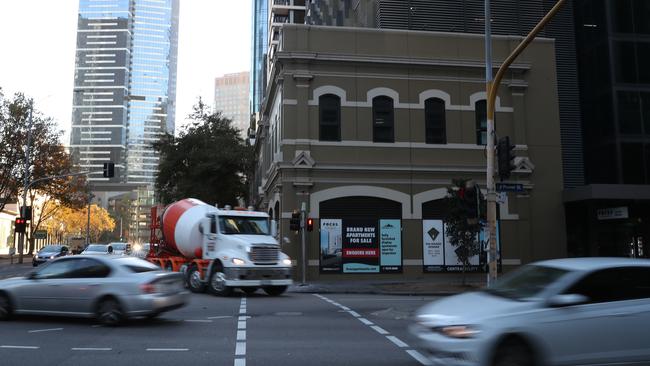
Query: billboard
{"type": "Point", "coordinates": [360, 246]}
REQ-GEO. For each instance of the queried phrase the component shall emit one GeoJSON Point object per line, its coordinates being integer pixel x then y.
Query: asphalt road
{"type": "Point", "coordinates": [293, 329]}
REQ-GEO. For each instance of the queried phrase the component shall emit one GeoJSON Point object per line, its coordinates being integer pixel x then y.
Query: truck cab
{"type": "Point", "coordinates": [243, 253]}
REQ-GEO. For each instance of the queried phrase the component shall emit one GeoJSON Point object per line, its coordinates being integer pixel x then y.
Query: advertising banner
{"type": "Point", "coordinates": [438, 255]}
{"type": "Point", "coordinates": [360, 246]}
{"type": "Point", "coordinates": [331, 245]}
{"type": "Point", "coordinates": [433, 257]}
{"type": "Point", "coordinates": [390, 243]}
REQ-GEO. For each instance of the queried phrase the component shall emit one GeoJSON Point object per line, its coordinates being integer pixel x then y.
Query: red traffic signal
{"type": "Point", "coordinates": [20, 225]}
{"type": "Point", "coordinates": [310, 224]}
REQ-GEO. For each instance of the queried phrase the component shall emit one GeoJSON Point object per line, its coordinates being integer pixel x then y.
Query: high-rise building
{"type": "Point", "coordinates": [231, 98]}
{"type": "Point", "coordinates": [282, 12]}
{"type": "Point", "coordinates": [124, 91]}
{"type": "Point", "coordinates": [259, 47]}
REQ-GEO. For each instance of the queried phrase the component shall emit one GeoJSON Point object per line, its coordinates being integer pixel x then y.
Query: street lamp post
{"type": "Point", "coordinates": [21, 241]}
{"type": "Point", "coordinates": [492, 87]}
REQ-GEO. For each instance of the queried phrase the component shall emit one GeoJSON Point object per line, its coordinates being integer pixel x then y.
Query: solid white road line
{"type": "Point", "coordinates": [20, 347]}
{"type": "Point", "coordinates": [220, 317]}
{"type": "Point", "coordinates": [241, 335]}
{"type": "Point", "coordinates": [44, 330]}
{"type": "Point", "coordinates": [198, 321]}
{"type": "Point", "coordinates": [168, 349]}
{"type": "Point", "coordinates": [398, 342]}
{"type": "Point", "coordinates": [418, 357]}
{"type": "Point", "coordinates": [91, 349]}
{"type": "Point", "coordinates": [379, 329]}
{"type": "Point", "coordinates": [240, 350]}
{"type": "Point", "coordinates": [240, 362]}
{"type": "Point", "coordinates": [354, 314]}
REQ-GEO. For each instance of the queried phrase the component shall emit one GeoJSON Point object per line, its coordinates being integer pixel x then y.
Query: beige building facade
{"type": "Point", "coordinates": [231, 93]}
{"type": "Point", "coordinates": [366, 129]}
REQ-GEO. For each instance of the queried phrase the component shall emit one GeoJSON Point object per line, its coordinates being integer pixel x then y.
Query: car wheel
{"type": "Point", "coordinates": [193, 280]}
{"type": "Point", "coordinates": [5, 307]}
{"type": "Point", "coordinates": [109, 312]}
{"type": "Point", "coordinates": [275, 290]}
{"type": "Point", "coordinates": [217, 284]}
{"type": "Point", "coordinates": [514, 352]}
{"type": "Point", "coordinates": [249, 290]}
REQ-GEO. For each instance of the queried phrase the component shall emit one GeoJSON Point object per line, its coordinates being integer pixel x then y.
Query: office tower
{"type": "Point", "coordinates": [259, 46]}
{"type": "Point", "coordinates": [231, 98]}
{"type": "Point", "coordinates": [124, 91]}
{"type": "Point", "coordinates": [282, 12]}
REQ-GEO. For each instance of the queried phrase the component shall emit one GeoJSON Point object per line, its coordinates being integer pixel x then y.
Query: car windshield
{"type": "Point", "coordinates": [119, 246]}
{"type": "Point", "coordinates": [526, 282]}
{"type": "Point", "coordinates": [244, 225]}
{"type": "Point", "coordinates": [96, 248]}
{"type": "Point", "coordinates": [50, 249]}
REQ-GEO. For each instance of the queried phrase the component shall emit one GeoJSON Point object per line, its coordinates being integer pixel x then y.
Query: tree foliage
{"type": "Point", "coordinates": [208, 161]}
{"type": "Point", "coordinates": [68, 221]}
{"type": "Point", "coordinates": [463, 233]}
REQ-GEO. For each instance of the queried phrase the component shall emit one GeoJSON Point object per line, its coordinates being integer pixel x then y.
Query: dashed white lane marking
{"type": "Point", "coordinates": [44, 330]}
{"type": "Point", "coordinates": [240, 350]}
{"type": "Point", "coordinates": [365, 321]}
{"type": "Point", "coordinates": [91, 349]}
{"type": "Point", "coordinates": [418, 357]}
{"type": "Point", "coordinates": [240, 347]}
{"type": "Point", "coordinates": [168, 349]}
{"type": "Point", "coordinates": [379, 329]}
{"type": "Point", "coordinates": [20, 347]}
{"type": "Point", "coordinates": [198, 321]}
{"type": "Point", "coordinates": [398, 342]}
{"type": "Point", "coordinates": [220, 317]}
{"type": "Point", "coordinates": [241, 335]}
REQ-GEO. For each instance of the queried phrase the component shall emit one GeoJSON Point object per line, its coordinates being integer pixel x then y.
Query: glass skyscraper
{"type": "Point", "coordinates": [259, 46]}
{"type": "Point", "coordinates": [125, 87]}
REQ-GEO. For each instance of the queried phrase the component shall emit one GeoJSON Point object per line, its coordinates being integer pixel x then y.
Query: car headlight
{"type": "Point", "coordinates": [52, 257]}
{"type": "Point", "coordinates": [459, 331]}
{"type": "Point", "coordinates": [238, 262]}
{"type": "Point", "coordinates": [286, 261]}
{"type": "Point", "coordinates": [137, 247]}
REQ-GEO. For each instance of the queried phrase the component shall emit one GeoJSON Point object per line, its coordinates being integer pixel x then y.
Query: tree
{"type": "Point", "coordinates": [208, 161]}
{"type": "Point", "coordinates": [67, 221]}
{"type": "Point", "coordinates": [462, 226]}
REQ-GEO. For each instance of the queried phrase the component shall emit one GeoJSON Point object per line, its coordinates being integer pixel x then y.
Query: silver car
{"type": "Point", "coordinates": [579, 311]}
{"type": "Point", "coordinates": [106, 287]}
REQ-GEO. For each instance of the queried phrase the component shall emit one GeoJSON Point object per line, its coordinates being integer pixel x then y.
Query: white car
{"type": "Point", "coordinates": [98, 249]}
{"type": "Point", "coordinates": [578, 311]}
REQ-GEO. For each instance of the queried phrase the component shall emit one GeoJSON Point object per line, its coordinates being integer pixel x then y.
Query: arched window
{"type": "Point", "coordinates": [329, 117]}
{"type": "Point", "coordinates": [434, 121]}
{"type": "Point", "coordinates": [480, 110]}
{"type": "Point", "coordinates": [382, 119]}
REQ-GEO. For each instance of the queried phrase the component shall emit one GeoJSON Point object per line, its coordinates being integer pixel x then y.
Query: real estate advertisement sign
{"type": "Point", "coordinates": [360, 246]}
{"type": "Point", "coordinates": [438, 255]}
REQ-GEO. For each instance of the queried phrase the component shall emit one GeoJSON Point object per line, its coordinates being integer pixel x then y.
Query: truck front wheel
{"type": "Point", "coordinates": [193, 279]}
{"type": "Point", "coordinates": [217, 284]}
{"type": "Point", "coordinates": [275, 290]}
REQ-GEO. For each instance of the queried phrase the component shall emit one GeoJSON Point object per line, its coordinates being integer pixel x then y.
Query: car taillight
{"type": "Point", "coordinates": [148, 288]}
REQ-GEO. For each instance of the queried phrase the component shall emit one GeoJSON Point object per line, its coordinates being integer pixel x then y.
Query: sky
{"type": "Point", "coordinates": [38, 51]}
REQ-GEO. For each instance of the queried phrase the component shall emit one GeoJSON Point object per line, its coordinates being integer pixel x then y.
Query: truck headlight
{"type": "Point", "coordinates": [286, 261]}
{"type": "Point", "coordinates": [459, 331]}
{"type": "Point", "coordinates": [238, 262]}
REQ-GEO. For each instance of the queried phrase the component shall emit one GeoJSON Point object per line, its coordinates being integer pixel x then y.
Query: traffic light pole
{"type": "Point", "coordinates": [303, 216]}
{"type": "Point", "coordinates": [492, 87]}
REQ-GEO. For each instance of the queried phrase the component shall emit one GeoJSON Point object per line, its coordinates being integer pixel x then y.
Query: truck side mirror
{"type": "Point", "coordinates": [213, 224]}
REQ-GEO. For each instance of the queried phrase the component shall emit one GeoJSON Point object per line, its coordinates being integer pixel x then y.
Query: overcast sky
{"type": "Point", "coordinates": [38, 51]}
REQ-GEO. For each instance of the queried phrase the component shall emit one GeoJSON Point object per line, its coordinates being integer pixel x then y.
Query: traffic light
{"type": "Point", "coordinates": [310, 224]}
{"type": "Point", "coordinates": [505, 157]}
{"type": "Point", "coordinates": [20, 225]}
{"type": "Point", "coordinates": [294, 224]}
{"type": "Point", "coordinates": [470, 201]}
{"type": "Point", "coordinates": [109, 170]}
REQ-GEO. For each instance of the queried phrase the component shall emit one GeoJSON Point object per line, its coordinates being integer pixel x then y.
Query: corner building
{"type": "Point", "coordinates": [367, 128]}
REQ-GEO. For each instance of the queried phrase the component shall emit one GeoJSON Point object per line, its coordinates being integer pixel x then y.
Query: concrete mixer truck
{"type": "Point", "coordinates": [218, 249]}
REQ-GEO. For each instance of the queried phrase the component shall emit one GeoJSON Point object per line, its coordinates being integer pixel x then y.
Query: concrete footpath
{"type": "Point", "coordinates": [432, 285]}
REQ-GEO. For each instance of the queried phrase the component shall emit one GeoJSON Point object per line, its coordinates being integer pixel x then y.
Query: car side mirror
{"type": "Point", "coordinates": [286, 240]}
{"type": "Point", "coordinates": [563, 300]}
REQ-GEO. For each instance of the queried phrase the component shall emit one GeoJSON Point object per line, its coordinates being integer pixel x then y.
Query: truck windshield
{"type": "Point", "coordinates": [244, 225]}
